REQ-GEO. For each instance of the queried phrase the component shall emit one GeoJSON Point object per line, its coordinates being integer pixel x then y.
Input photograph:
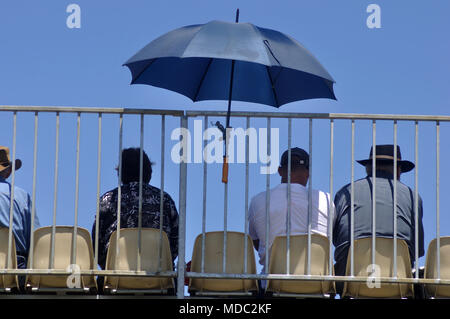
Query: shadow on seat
{"type": "Point", "coordinates": [438, 291]}
{"type": "Point", "coordinates": [320, 252]}
{"type": "Point", "coordinates": [126, 260]}
{"type": "Point", "coordinates": [84, 260]}
{"type": "Point", "coordinates": [213, 263]}
{"type": "Point", "coordinates": [8, 283]}
{"type": "Point", "coordinates": [384, 259]}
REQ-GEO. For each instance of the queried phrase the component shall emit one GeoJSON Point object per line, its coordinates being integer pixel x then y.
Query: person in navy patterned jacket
{"type": "Point", "coordinates": [129, 214]}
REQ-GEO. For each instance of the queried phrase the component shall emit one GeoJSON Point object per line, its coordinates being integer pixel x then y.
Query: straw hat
{"type": "Point", "coordinates": [5, 161]}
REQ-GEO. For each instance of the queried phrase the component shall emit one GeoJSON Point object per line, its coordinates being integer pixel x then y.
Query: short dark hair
{"type": "Point", "coordinates": [131, 166]}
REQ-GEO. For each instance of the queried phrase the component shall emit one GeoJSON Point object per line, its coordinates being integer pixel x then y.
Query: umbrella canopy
{"type": "Point", "coordinates": [231, 61]}
{"type": "Point", "coordinates": [269, 67]}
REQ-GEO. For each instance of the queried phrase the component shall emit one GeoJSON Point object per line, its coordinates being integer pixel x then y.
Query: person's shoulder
{"type": "Point", "coordinates": [343, 189]}
{"type": "Point", "coordinates": [258, 197]}
{"type": "Point", "coordinates": [403, 188]}
{"type": "Point", "coordinates": [109, 194]}
{"type": "Point", "coordinates": [19, 192]}
{"type": "Point", "coordinates": [157, 191]}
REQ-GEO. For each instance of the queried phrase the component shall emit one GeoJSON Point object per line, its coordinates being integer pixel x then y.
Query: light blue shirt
{"type": "Point", "coordinates": [21, 217]}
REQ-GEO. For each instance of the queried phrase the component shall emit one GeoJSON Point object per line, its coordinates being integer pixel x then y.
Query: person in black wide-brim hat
{"type": "Point", "coordinates": [363, 193]}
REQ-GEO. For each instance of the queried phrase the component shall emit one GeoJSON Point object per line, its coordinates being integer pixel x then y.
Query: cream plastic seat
{"type": "Point", "coordinates": [384, 248]}
{"type": "Point", "coordinates": [213, 263]}
{"type": "Point", "coordinates": [320, 252]}
{"type": "Point", "coordinates": [7, 282]}
{"type": "Point", "coordinates": [62, 260]}
{"type": "Point", "coordinates": [438, 291]}
{"type": "Point", "coordinates": [127, 260]}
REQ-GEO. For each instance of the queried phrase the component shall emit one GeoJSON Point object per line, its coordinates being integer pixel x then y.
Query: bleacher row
{"type": "Point", "coordinates": [154, 259]}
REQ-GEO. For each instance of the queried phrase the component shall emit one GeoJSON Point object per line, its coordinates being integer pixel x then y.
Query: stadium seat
{"type": "Point", "coordinates": [126, 260]}
{"type": "Point", "coordinates": [63, 240]}
{"type": "Point", "coordinates": [8, 283]}
{"type": "Point", "coordinates": [438, 291]}
{"type": "Point", "coordinates": [320, 252]}
{"type": "Point", "coordinates": [384, 248]}
{"type": "Point", "coordinates": [213, 263]}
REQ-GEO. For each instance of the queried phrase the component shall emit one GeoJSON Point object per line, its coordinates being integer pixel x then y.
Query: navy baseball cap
{"type": "Point", "coordinates": [298, 156]}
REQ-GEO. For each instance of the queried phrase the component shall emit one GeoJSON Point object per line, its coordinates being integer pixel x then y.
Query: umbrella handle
{"type": "Point", "coordinates": [225, 170]}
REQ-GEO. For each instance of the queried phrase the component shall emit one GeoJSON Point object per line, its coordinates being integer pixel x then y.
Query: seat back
{"type": "Point", "coordinates": [84, 258]}
{"type": "Point", "coordinates": [213, 262]}
{"type": "Point", "coordinates": [320, 252]}
{"type": "Point", "coordinates": [7, 281]}
{"type": "Point", "coordinates": [127, 260]}
{"type": "Point", "coordinates": [384, 248]}
{"type": "Point", "coordinates": [438, 291]}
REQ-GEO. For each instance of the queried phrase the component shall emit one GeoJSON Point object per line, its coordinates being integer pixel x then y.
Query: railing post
{"type": "Point", "coordinates": [33, 196]}
{"type": "Point", "coordinates": [395, 198]}
{"type": "Point", "coordinates": [438, 218]}
{"type": "Point", "coordinates": [289, 196]}
{"type": "Point", "coordinates": [161, 196]}
{"type": "Point", "coordinates": [11, 203]}
{"type": "Point", "coordinates": [182, 215]}
{"type": "Point", "coordinates": [352, 204]}
{"type": "Point", "coordinates": [331, 205]}
{"type": "Point", "coordinates": [205, 180]}
{"type": "Point", "coordinates": [97, 212]}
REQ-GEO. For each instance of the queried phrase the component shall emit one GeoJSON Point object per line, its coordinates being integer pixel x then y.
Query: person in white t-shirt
{"type": "Point", "coordinates": [278, 212]}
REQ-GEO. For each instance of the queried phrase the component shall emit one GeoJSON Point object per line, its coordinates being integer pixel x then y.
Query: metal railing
{"type": "Point", "coordinates": [183, 194]}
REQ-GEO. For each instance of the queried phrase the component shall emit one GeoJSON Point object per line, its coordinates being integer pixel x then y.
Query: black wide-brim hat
{"type": "Point", "coordinates": [385, 154]}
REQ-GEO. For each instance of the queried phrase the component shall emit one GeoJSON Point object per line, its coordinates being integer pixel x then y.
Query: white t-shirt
{"type": "Point", "coordinates": [321, 205]}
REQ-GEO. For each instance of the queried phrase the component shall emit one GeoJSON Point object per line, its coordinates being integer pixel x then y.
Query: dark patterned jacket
{"type": "Point", "coordinates": [129, 214]}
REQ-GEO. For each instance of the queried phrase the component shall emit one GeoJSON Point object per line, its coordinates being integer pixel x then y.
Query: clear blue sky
{"type": "Point", "coordinates": [401, 68]}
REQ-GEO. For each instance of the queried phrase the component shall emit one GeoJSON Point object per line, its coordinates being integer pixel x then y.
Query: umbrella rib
{"type": "Point", "coordinates": [142, 71]}
{"type": "Point", "coordinates": [273, 87]}
{"type": "Point", "coordinates": [203, 78]}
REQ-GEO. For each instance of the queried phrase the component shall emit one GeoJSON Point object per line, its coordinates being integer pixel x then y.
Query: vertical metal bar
{"type": "Point", "coordinates": [119, 189]}
{"type": "Point", "coordinates": [310, 193]}
{"type": "Point", "coordinates": [289, 196]}
{"type": "Point", "coordinates": [247, 158]}
{"type": "Point", "coordinates": [33, 196]}
{"type": "Point", "coordinates": [352, 204]}
{"type": "Point", "coordinates": [55, 194]}
{"type": "Point", "coordinates": [416, 200]}
{"type": "Point", "coordinates": [438, 230]}
{"type": "Point", "coordinates": [266, 262]}
{"type": "Point", "coordinates": [11, 203]}
{"type": "Point", "coordinates": [77, 179]}
{"type": "Point", "coordinates": [395, 198]}
{"type": "Point", "coordinates": [331, 205]}
{"type": "Point", "coordinates": [161, 196]}
{"type": "Point", "coordinates": [182, 216]}
{"type": "Point", "coordinates": [141, 169]}
{"type": "Point", "coordinates": [97, 213]}
{"type": "Point", "coordinates": [374, 194]}
{"type": "Point", "coordinates": [205, 179]}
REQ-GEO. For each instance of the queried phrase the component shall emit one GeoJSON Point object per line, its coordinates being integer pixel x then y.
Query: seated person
{"type": "Point", "coordinates": [129, 213]}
